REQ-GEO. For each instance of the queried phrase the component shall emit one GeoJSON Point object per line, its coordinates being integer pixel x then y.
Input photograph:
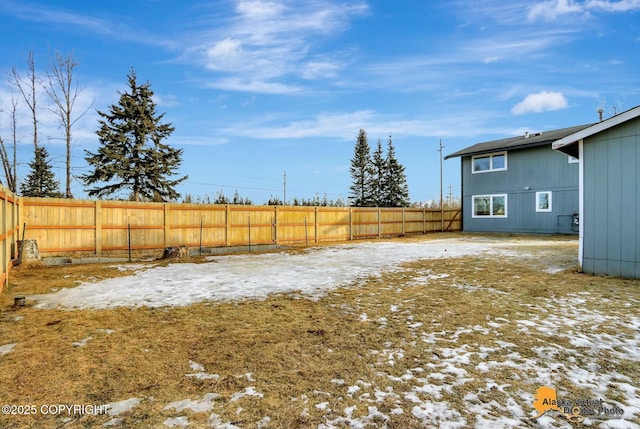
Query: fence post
{"type": "Point", "coordinates": [5, 242]}
{"type": "Point", "coordinates": [424, 220]}
{"type": "Point", "coordinates": [351, 223]}
{"type": "Point", "coordinates": [98, 227]}
{"type": "Point", "coordinates": [167, 227]}
{"type": "Point", "coordinates": [316, 223]}
{"type": "Point", "coordinates": [275, 225]}
{"type": "Point", "coordinates": [227, 226]}
{"type": "Point", "coordinates": [403, 228]}
{"type": "Point", "coordinates": [379, 223]}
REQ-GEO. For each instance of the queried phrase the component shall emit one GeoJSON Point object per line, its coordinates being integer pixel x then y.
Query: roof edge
{"type": "Point", "coordinates": [596, 128]}
{"type": "Point", "coordinates": [482, 152]}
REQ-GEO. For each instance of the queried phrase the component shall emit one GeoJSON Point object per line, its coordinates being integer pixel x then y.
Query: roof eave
{"type": "Point", "coordinates": [573, 139]}
{"type": "Point", "coordinates": [499, 149]}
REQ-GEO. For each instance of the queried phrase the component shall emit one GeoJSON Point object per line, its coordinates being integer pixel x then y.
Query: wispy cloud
{"type": "Point", "coordinates": [86, 24]}
{"type": "Point", "coordinates": [552, 9]}
{"type": "Point", "coordinates": [268, 44]}
{"type": "Point", "coordinates": [540, 102]}
{"type": "Point", "coordinates": [345, 126]}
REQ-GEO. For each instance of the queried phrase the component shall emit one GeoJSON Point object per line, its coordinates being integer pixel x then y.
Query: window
{"type": "Point", "coordinates": [543, 201]}
{"type": "Point", "coordinates": [490, 205]}
{"type": "Point", "coordinates": [486, 163]}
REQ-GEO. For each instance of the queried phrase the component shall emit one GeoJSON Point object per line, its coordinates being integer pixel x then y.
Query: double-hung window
{"type": "Point", "coordinates": [490, 162]}
{"type": "Point", "coordinates": [490, 205]}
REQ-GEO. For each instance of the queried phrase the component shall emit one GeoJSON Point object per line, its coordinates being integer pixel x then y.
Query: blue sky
{"type": "Point", "coordinates": [257, 88]}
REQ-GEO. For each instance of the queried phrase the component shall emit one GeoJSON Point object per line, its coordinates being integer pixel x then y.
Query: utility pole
{"type": "Point", "coordinates": [450, 194]}
{"type": "Point", "coordinates": [284, 203]}
{"type": "Point", "coordinates": [441, 205]}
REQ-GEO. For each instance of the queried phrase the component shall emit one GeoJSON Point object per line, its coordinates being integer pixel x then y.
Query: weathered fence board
{"type": "Point", "coordinates": [9, 233]}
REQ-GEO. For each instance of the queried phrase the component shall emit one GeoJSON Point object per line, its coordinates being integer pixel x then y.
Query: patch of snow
{"type": "Point", "coordinates": [205, 404]}
{"type": "Point", "coordinates": [114, 422]}
{"type": "Point", "coordinates": [203, 376]}
{"type": "Point", "coordinates": [117, 408]}
{"type": "Point", "coordinates": [195, 366]}
{"type": "Point", "coordinates": [82, 343]}
{"type": "Point", "coordinates": [177, 422]}
{"type": "Point", "coordinates": [311, 273]}
{"type": "Point", "coordinates": [7, 348]}
{"type": "Point", "coordinates": [249, 391]}
{"type": "Point", "coordinates": [322, 406]}
{"type": "Point", "coordinates": [216, 423]}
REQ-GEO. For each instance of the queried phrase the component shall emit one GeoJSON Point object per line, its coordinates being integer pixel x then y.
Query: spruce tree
{"type": "Point", "coordinates": [361, 173]}
{"type": "Point", "coordinates": [132, 155]}
{"type": "Point", "coordinates": [41, 182]}
{"type": "Point", "coordinates": [395, 181]}
{"type": "Point", "coordinates": [378, 181]}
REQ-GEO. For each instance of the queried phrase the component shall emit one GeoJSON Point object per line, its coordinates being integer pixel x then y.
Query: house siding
{"type": "Point", "coordinates": [611, 239]}
{"type": "Point", "coordinates": [538, 168]}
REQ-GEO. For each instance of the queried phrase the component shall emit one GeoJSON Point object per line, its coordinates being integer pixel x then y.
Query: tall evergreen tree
{"type": "Point", "coordinates": [395, 180]}
{"type": "Point", "coordinates": [361, 173]}
{"type": "Point", "coordinates": [41, 181]}
{"type": "Point", "coordinates": [132, 154]}
{"type": "Point", "coordinates": [378, 180]}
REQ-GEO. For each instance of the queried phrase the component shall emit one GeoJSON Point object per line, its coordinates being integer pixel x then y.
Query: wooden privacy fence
{"type": "Point", "coordinates": [63, 226]}
{"type": "Point", "coordinates": [9, 233]}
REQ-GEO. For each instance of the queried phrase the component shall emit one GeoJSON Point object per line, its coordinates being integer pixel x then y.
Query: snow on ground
{"type": "Point", "coordinates": [311, 273]}
{"type": "Point", "coordinates": [422, 389]}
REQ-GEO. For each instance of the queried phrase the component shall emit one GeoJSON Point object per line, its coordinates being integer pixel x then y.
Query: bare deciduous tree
{"type": "Point", "coordinates": [9, 168]}
{"type": "Point", "coordinates": [63, 90]}
{"type": "Point", "coordinates": [27, 86]}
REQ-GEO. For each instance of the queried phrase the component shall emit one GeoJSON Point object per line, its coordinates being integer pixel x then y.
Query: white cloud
{"type": "Point", "coordinates": [551, 9]}
{"type": "Point", "coordinates": [613, 6]}
{"type": "Point", "coordinates": [254, 86]}
{"type": "Point", "coordinates": [266, 42]}
{"type": "Point", "coordinates": [540, 102]}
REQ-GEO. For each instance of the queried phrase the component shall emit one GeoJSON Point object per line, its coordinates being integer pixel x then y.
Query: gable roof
{"type": "Point", "coordinates": [569, 144]}
{"type": "Point", "coordinates": [519, 142]}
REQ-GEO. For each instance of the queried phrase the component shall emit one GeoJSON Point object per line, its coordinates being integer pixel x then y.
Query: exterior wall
{"type": "Point", "coordinates": [538, 169]}
{"type": "Point", "coordinates": [611, 200]}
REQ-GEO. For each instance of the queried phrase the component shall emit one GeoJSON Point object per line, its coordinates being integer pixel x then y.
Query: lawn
{"type": "Point", "coordinates": [444, 330]}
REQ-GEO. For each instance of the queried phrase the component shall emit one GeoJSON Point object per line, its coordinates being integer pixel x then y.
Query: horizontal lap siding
{"type": "Point", "coordinates": [529, 170]}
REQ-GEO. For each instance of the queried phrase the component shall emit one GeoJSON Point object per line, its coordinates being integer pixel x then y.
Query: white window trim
{"type": "Point", "coordinates": [572, 159]}
{"type": "Point", "coordinates": [538, 209]}
{"type": "Point", "coordinates": [490, 215]}
{"type": "Point", "coordinates": [490, 156]}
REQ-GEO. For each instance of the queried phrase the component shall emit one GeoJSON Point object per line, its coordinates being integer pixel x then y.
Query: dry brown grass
{"type": "Point", "coordinates": [292, 347]}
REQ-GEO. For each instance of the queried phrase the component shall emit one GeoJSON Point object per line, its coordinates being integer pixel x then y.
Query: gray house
{"type": "Point", "coordinates": [609, 197]}
{"type": "Point", "coordinates": [520, 185]}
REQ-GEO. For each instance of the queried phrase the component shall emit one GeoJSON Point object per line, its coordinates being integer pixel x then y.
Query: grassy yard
{"type": "Point", "coordinates": [440, 342]}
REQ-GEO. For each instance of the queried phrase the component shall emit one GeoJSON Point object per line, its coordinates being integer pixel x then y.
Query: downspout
{"type": "Point", "coordinates": [461, 194]}
{"type": "Point", "coordinates": [581, 203]}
